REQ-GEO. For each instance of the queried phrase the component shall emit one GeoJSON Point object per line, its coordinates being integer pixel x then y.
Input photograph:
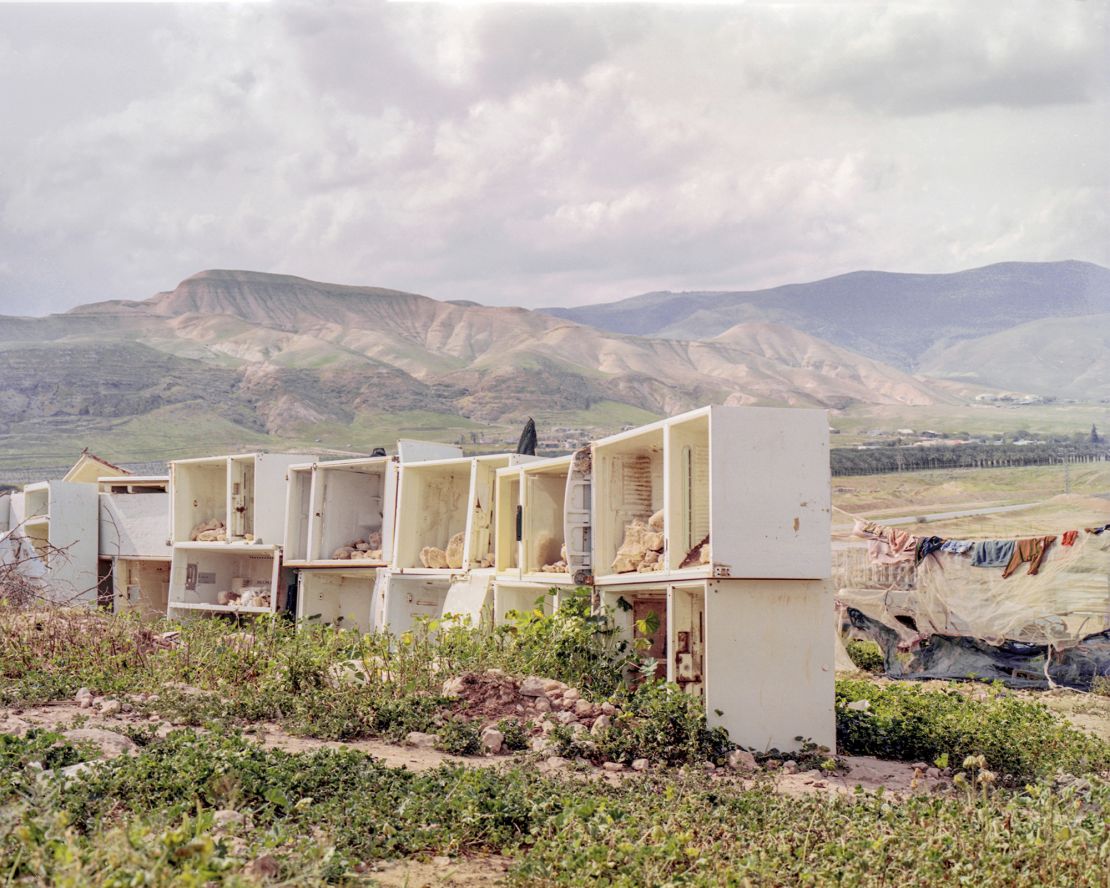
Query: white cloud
{"type": "Point", "coordinates": [542, 155]}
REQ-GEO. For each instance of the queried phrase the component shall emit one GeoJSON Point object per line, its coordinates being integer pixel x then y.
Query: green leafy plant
{"type": "Point", "coordinates": [515, 732]}
{"type": "Point", "coordinates": [1018, 738]}
{"type": "Point", "coordinates": [866, 655]}
{"type": "Point", "coordinates": [325, 817]}
{"type": "Point", "coordinates": [459, 736]}
{"type": "Point", "coordinates": [659, 722]}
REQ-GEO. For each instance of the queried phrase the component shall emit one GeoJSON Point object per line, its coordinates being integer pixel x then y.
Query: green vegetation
{"type": "Point", "coordinates": [210, 806]}
{"type": "Point", "coordinates": [978, 419]}
{"type": "Point", "coordinates": [1017, 738]}
{"type": "Point", "coordinates": [213, 809]}
{"type": "Point", "coordinates": [867, 655]}
{"type": "Point", "coordinates": [880, 460]}
{"type": "Point", "coordinates": [657, 722]}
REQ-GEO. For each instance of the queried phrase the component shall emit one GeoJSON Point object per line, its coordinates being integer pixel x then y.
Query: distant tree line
{"type": "Point", "coordinates": [881, 460]}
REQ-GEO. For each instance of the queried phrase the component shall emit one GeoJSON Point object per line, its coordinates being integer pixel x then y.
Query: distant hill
{"type": "Point", "coordinates": [894, 318]}
{"type": "Point", "coordinates": [250, 359]}
{"type": "Point", "coordinates": [1060, 357]}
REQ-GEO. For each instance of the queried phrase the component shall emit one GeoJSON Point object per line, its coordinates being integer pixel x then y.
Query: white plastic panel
{"type": "Point", "coordinates": [471, 597]}
{"type": "Point", "coordinates": [133, 525]}
{"type": "Point", "coordinates": [141, 586]}
{"type": "Point", "coordinates": [198, 490]}
{"type": "Point", "coordinates": [432, 506]}
{"type": "Point", "coordinates": [298, 511]}
{"type": "Point", "coordinates": [520, 597]}
{"type": "Point", "coordinates": [269, 494]}
{"type": "Point", "coordinates": [544, 498]}
{"type": "Point", "coordinates": [241, 499]}
{"type": "Point", "coordinates": [246, 491]}
{"type": "Point", "coordinates": [351, 504]}
{"type": "Point", "coordinates": [17, 509]}
{"type": "Point", "coordinates": [627, 485]}
{"type": "Point", "coordinates": [337, 597]}
{"type": "Point", "coordinates": [507, 546]}
{"type": "Point", "coordinates": [201, 572]}
{"type": "Point", "coordinates": [410, 597]}
{"type": "Point", "coordinates": [576, 516]}
{"type": "Point", "coordinates": [754, 480]}
{"type": "Point", "coordinates": [74, 524]}
{"type": "Point", "coordinates": [688, 492]}
{"type": "Point", "coordinates": [770, 492]}
{"type": "Point", "coordinates": [415, 451]}
{"type": "Point", "coordinates": [481, 523]}
{"type": "Point", "coordinates": [764, 636]}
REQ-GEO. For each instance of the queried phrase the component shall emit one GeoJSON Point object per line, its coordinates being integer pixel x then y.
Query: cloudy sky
{"type": "Point", "coordinates": [544, 154]}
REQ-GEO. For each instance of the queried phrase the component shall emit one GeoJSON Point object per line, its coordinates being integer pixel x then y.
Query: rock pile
{"type": "Point", "coordinates": [369, 549]}
{"type": "Point", "coordinates": [559, 566]}
{"type": "Point", "coordinates": [434, 557]}
{"type": "Point", "coordinates": [543, 703]}
{"type": "Point", "coordinates": [642, 549]}
{"type": "Point", "coordinates": [440, 559]}
{"type": "Point", "coordinates": [211, 531]}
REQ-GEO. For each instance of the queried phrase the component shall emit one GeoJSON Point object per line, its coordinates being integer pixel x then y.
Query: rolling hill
{"type": "Point", "coordinates": [238, 359]}
{"type": "Point", "coordinates": [894, 318]}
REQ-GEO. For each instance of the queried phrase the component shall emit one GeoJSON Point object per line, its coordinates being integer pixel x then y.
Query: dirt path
{"type": "Point", "coordinates": [461, 872]}
{"type": "Point", "coordinates": [868, 773]}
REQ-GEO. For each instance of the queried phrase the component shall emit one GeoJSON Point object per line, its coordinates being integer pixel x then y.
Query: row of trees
{"type": "Point", "coordinates": [880, 460]}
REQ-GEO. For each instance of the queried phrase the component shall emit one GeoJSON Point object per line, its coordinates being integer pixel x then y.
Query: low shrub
{"type": "Point", "coordinates": [658, 722]}
{"type": "Point", "coordinates": [866, 655]}
{"type": "Point", "coordinates": [459, 737]}
{"type": "Point", "coordinates": [515, 732]}
{"type": "Point", "coordinates": [573, 645]}
{"type": "Point", "coordinates": [22, 759]}
{"type": "Point", "coordinates": [692, 832]}
{"type": "Point", "coordinates": [1018, 738]}
{"type": "Point", "coordinates": [325, 816]}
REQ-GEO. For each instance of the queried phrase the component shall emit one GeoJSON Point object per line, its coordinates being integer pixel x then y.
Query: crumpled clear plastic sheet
{"type": "Point", "coordinates": [1065, 602]}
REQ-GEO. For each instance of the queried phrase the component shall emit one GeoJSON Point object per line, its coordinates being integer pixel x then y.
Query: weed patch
{"type": "Point", "coordinates": [1017, 738]}
{"type": "Point", "coordinates": [326, 816]}
{"type": "Point", "coordinates": [866, 655]}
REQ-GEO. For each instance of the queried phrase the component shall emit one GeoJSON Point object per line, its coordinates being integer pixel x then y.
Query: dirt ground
{"type": "Point", "coordinates": [863, 771]}
{"type": "Point", "coordinates": [462, 872]}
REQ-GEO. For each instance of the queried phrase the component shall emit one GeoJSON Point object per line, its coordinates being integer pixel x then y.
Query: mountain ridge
{"type": "Point", "coordinates": [252, 357]}
{"type": "Point", "coordinates": [980, 297]}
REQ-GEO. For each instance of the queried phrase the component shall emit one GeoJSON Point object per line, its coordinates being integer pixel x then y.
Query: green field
{"type": "Point", "coordinates": [956, 420]}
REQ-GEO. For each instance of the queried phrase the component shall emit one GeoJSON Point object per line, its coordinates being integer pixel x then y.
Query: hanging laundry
{"type": "Point", "coordinates": [926, 546]}
{"type": "Point", "coordinates": [1068, 539]}
{"type": "Point", "coordinates": [1096, 530]}
{"type": "Point", "coordinates": [1031, 550]}
{"type": "Point", "coordinates": [992, 553]}
{"type": "Point", "coordinates": [864, 528]}
{"type": "Point", "coordinates": [883, 551]}
{"type": "Point", "coordinates": [957, 547]}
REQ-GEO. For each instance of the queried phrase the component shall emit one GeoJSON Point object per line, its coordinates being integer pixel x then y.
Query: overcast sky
{"type": "Point", "coordinates": [544, 155]}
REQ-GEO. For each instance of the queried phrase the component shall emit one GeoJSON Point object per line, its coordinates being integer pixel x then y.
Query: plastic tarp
{"type": "Point", "coordinates": [1065, 602]}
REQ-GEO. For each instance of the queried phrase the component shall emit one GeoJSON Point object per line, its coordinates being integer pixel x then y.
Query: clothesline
{"type": "Point", "coordinates": [1068, 536]}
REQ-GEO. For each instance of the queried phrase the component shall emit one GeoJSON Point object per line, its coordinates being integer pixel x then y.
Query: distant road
{"type": "Point", "coordinates": [966, 513]}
